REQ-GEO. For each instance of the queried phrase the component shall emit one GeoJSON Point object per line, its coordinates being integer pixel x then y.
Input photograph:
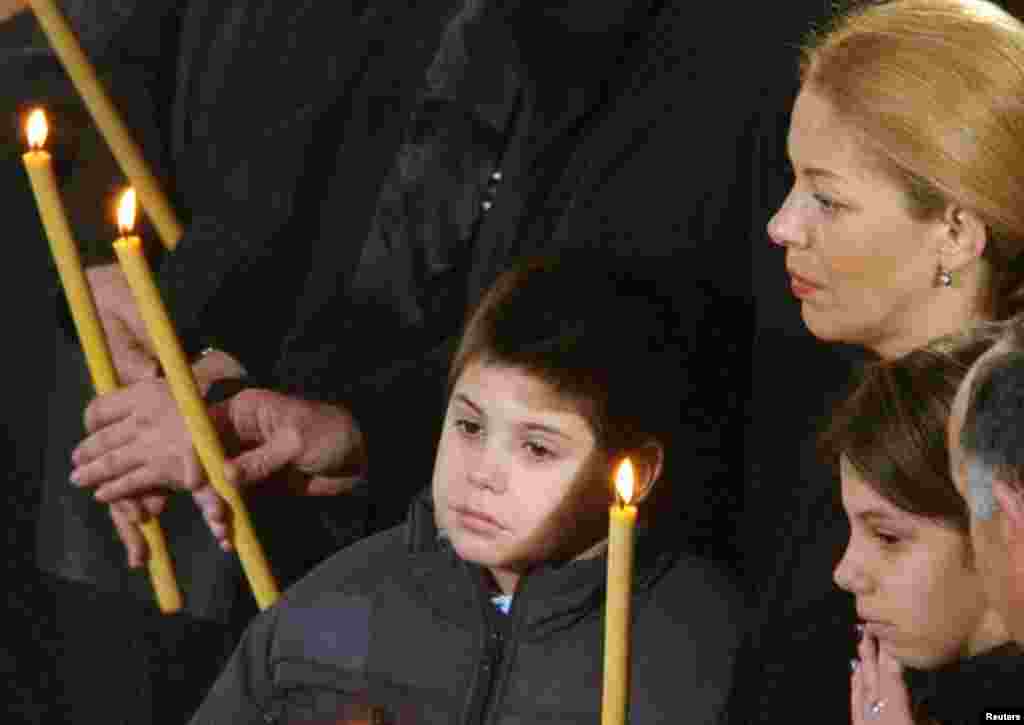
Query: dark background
{"type": "Point", "coordinates": [781, 414]}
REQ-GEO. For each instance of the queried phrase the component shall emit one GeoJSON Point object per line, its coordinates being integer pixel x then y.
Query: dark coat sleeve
{"type": "Point", "coordinates": [251, 163]}
{"type": "Point", "coordinates": [280, 187]}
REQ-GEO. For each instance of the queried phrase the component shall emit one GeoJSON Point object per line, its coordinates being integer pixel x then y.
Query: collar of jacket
{"type": "Point", "coordinates": [554, 597]}
{"type": "Point", "coordinates": [958, 691]}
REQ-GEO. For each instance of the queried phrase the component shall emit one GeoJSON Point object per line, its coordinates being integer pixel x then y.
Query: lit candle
{"type": "Point", "coordinates": [190, 404]}
{"type": "Point", "coordinates": [87, 323]}
{"type": "Point", "coordinates": [108, 121]}
{"type": "Point", "coordinates": [621, 525]}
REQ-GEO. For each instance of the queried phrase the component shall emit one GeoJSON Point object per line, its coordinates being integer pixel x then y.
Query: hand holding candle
{"type": "Point", "coordinates": [621, 526]}
{"type": "Point", "coordinates": [83, 312]}
{"type": "Point", "coordinates": [190, 404]}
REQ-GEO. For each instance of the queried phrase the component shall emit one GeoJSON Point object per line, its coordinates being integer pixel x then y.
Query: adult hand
{"type": "Point", "coordinates": [138, 440]}
{"type": "Point", "coordinates": [878, 695]}
{"type": "Point", "coordinates": [127, 514]}
{"type": "Point", "coordinates": [291, 446]}
{"type": "Point", "coordinates": [10, 8]}
{"type": "Point", "coordinates": [138, 443]}
{"type": "Point", "coordinates": [119, 316]}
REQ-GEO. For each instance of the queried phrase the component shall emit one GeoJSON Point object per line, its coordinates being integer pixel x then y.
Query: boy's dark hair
{"type": "Point", "coordinates": [892, 428]}
{"type": "Point", "coordinates": [600, 333]}
{"type": "Point", "coordinates": [993, 425]}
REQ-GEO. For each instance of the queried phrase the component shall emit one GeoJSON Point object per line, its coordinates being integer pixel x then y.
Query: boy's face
{"type": "Point", "coordinates": [514, 480]}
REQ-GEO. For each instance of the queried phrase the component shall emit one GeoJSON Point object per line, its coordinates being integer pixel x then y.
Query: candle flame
{"type": "Point", "coordinates": [625, 481]}
{"type": "Point", "coordinates": [36, 129]}
{"type": "Point", "coordinates": [126, 212]}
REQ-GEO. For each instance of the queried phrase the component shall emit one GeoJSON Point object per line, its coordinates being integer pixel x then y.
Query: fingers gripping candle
{"type": "Point", "coordinates": [621, 526]}
{"type": "Point", "coordinates": [190, 404]}
{"type": "Point", "coordinates": [94, 344]}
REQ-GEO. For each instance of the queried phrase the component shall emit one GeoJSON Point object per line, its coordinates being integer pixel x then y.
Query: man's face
{"type": "Point", "coordinates": [518, 472]}
{"type": "Point", "coordinates": [991, 550]}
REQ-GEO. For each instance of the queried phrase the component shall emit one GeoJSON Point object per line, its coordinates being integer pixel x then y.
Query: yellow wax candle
{"type": "Point", "coordinates": [90, 332]}
{"type": "Point", "coordinates": [183, 385]}
{"type": "Point", "coordinates": [621, 526]}
{"type": "Point", "coordinates": [108, 121]}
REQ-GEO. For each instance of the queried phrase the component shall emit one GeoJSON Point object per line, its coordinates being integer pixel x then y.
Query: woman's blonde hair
{"type": "Point", "coordinates": [936, 90]}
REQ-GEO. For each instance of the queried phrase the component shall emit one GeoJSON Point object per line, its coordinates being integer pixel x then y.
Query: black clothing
{"type": "Point", "coordinates": [273, 183]}
{"type": "Point", "coordinates": [121, 662]}
{"type": "Point", "coordinates": [400, 622]}
{"type": "Point", "coordinates": [589, 146]}
{"type": "Point", "coordinates": [250, 208]}
{"type": "Point", "coordinates": [960, 693]}
{"type": "Point", "coordinates": [35, 686]}
{"type": "Point", "coordinates": [247, 179]}
{"type": "Point", "coordinates": [793, 527]}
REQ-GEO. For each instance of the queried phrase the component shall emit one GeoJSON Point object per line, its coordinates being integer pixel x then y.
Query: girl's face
{"type": "Point", "coordinates": [917, 590]}
{"type": "Point", "coordinates": [862, 267]}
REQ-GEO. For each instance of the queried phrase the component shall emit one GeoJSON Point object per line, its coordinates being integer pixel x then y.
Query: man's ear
{"type": "Point", "coordinates": [964, 236]}
{"type": "Point", "coordinates": [1011, 503]}
{"type": "Point", "coordinates": [648, 460]}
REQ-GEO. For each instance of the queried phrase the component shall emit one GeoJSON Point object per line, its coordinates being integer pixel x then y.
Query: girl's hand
{"type": "Point", "coordinates": [878, 695]}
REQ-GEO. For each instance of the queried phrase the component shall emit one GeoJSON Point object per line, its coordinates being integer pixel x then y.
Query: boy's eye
{"type": "Point", "coordinates": [538, 451]}
{"type": "Point", "coordinates": [468, 428]}
{"type": "Point", "coordinates": [887, 538]}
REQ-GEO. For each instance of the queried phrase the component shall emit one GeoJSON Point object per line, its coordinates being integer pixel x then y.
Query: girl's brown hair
{"type": "Point", "coordinates": [892, 428]}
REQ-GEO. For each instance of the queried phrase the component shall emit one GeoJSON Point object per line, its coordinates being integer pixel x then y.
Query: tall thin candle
{"type": "Point", "coordinates": [621, 526]}
{"type": "Point", "coordinates": [190, 404]}
{"type": "Point", "coordinates": [94, 344]}
{"type": "Point", "coordinates": [108, 121]}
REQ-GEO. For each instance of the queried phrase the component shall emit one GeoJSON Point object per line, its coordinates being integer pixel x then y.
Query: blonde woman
{"type": "Point", "coordinates": [904, 223]}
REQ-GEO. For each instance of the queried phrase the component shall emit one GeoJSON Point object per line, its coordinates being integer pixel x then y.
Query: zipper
{"type": "Point", "coordinates": [499, 660]}
{"type": "Point", "coordinates": [483, 689]}
{"type": "Point", "coordinates": [497, 628]}
{"type": "Point", "coordinates": [492, 666]}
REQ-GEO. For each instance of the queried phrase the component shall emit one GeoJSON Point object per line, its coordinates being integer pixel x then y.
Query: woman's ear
{"type": "Point", "coordinates": [964, 238]}
{"type": "Point", "coordinates": [1010, 502]}
{"type": "Point", "coordinates": [648, 460]}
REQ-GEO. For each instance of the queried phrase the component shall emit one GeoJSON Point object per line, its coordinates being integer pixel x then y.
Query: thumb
{"type": "Point", "coordinates": [280, 450]}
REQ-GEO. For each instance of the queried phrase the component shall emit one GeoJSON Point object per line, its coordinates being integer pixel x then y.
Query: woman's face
{"type": "Point", "coordinates": [862, 267]}
{"type": "Point", "coordinates": [916, 588]}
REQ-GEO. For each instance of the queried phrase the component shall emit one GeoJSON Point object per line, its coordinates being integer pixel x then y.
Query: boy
{"type": "Point", "coordinates": [486, 605]}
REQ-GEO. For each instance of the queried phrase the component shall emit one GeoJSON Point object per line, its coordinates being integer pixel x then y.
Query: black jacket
{"type": "Point", "coordinates": [400, 623]}
{"type": "Point", "coordinates": [961, 693]}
